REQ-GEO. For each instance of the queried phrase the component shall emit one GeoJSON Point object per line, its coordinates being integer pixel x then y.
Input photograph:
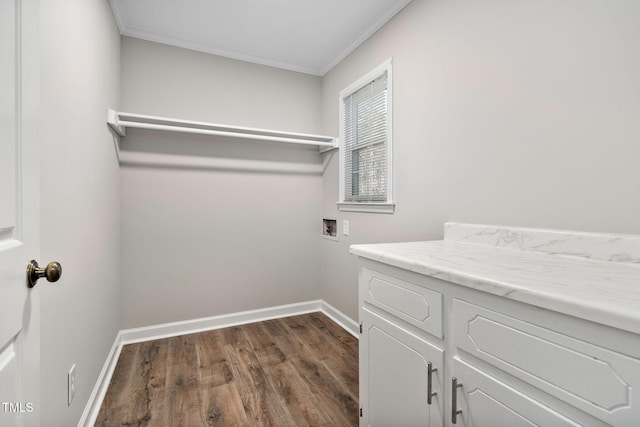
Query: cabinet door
{"type": "Point", "coordinates": [601, 382]}
{"type": "Point", "coordinates": [394, 376]}
{"type": "Point", "coordinates": [487, 401]}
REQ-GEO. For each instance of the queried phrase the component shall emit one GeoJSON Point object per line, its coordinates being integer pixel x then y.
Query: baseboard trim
{"type": "Point", "coordinates": [173, 329]}
{"type": "Point", "coordinates": [166, 330]}
{"type": "Point", "coordinates": [92, 408]}
{"type": "Point", "coordinates": [347, 323]}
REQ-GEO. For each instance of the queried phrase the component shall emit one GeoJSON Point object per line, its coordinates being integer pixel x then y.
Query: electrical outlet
{"type": "Point", "coordinates": [345, 227]}
{"type": "Point", "coordinates": [71, 380]}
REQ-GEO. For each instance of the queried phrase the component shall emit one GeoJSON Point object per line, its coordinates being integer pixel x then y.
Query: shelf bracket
{"type": "Point", "coordinates": [112, 120]}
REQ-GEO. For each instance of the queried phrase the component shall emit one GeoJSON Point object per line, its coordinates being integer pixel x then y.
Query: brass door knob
{"type": "Point", "coordinates": [51, 272]}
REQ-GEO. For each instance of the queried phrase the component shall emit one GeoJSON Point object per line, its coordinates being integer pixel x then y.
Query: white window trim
{"type": "Point", "coordinates": [371, 207]}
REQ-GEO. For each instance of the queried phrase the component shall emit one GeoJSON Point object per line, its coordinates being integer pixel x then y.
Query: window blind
{"type": "Point", "coordinates": [365, 143]}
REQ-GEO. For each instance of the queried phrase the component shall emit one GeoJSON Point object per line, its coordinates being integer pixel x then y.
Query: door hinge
{"type": "Point", "coordinates": [361, 411]}
{"type": "Point", "coordinates": [360, 327]}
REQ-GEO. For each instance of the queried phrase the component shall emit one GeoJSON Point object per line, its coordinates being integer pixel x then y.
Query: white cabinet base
{"type": "Point", "coordinates": [519, 365]}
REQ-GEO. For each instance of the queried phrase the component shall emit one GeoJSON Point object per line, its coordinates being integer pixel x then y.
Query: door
{"type": "Point", "coordinates": [486, 401]}
{"type": "Point", "coordinates": [398, 373]}
{"type": "Point", "coordinates": [19, 217]}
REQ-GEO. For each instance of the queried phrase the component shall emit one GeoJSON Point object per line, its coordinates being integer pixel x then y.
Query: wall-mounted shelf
{"type": "Point", "coordinates": [120, 121]}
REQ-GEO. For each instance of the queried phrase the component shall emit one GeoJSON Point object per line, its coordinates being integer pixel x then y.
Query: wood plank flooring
{"type": "Point", "coordinates": [295, 371]}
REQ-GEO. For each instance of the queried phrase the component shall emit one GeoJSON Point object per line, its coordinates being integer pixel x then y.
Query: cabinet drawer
{"type": "Point", "coordinates": [601, 382]}
{"type": "Point", "coordinates": [410, 302]}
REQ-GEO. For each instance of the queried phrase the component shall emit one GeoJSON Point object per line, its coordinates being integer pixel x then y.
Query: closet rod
{"type": "Point", "coordinates": [115, 120]}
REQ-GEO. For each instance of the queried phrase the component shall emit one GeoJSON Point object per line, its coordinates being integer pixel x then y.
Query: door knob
{"type": "Point", "coordinates": [51, 272]}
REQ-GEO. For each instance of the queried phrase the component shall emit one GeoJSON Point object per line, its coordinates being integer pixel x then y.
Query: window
{"type": "Point", "coordinates": [365, 143]}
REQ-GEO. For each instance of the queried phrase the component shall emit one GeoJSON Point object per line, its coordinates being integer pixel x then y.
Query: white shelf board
{"type": "Point", "coordinates": [120, 121]}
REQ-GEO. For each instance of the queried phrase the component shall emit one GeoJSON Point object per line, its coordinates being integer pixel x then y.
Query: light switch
{"type": "Point", "coordinates": [345, 227]}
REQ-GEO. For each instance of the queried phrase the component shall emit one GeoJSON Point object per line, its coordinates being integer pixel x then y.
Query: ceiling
{"type": "Point", "coordinates": [308, 36]}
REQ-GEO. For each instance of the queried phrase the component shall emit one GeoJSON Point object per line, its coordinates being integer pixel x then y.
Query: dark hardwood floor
{"type": "Point", "coordinates": [295, 371]}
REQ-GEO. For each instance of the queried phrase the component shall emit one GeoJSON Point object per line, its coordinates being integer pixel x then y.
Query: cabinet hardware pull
{"type": "Point", "coordinates": [455, 411]}
{"type": "Point", "coordinates": [430, 371]}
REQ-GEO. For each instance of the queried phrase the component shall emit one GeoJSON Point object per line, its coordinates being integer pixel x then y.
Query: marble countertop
{"type": "Point", "coordinates": [584, 282]}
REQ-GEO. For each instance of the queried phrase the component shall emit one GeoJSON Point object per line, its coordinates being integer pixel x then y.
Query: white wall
{"type": "Point", "coordinates": [80, 314]}
{"type": "Point", "coordinates": [515, 113]}
{"type": "Point", "coordinates": [238, 226]}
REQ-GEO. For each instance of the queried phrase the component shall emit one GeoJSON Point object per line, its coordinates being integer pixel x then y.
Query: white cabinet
{"type": "Point", "coordinates": [400, 371]}
{"type": "Point", "coordinates": [515, 364]}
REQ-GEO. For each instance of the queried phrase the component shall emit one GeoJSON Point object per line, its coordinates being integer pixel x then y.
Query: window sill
{"type": "Point", "coordinates": [386, 208]}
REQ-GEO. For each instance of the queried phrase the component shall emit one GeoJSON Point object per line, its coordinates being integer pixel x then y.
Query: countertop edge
{"type": "Point", "coordinates": [592, 311]}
